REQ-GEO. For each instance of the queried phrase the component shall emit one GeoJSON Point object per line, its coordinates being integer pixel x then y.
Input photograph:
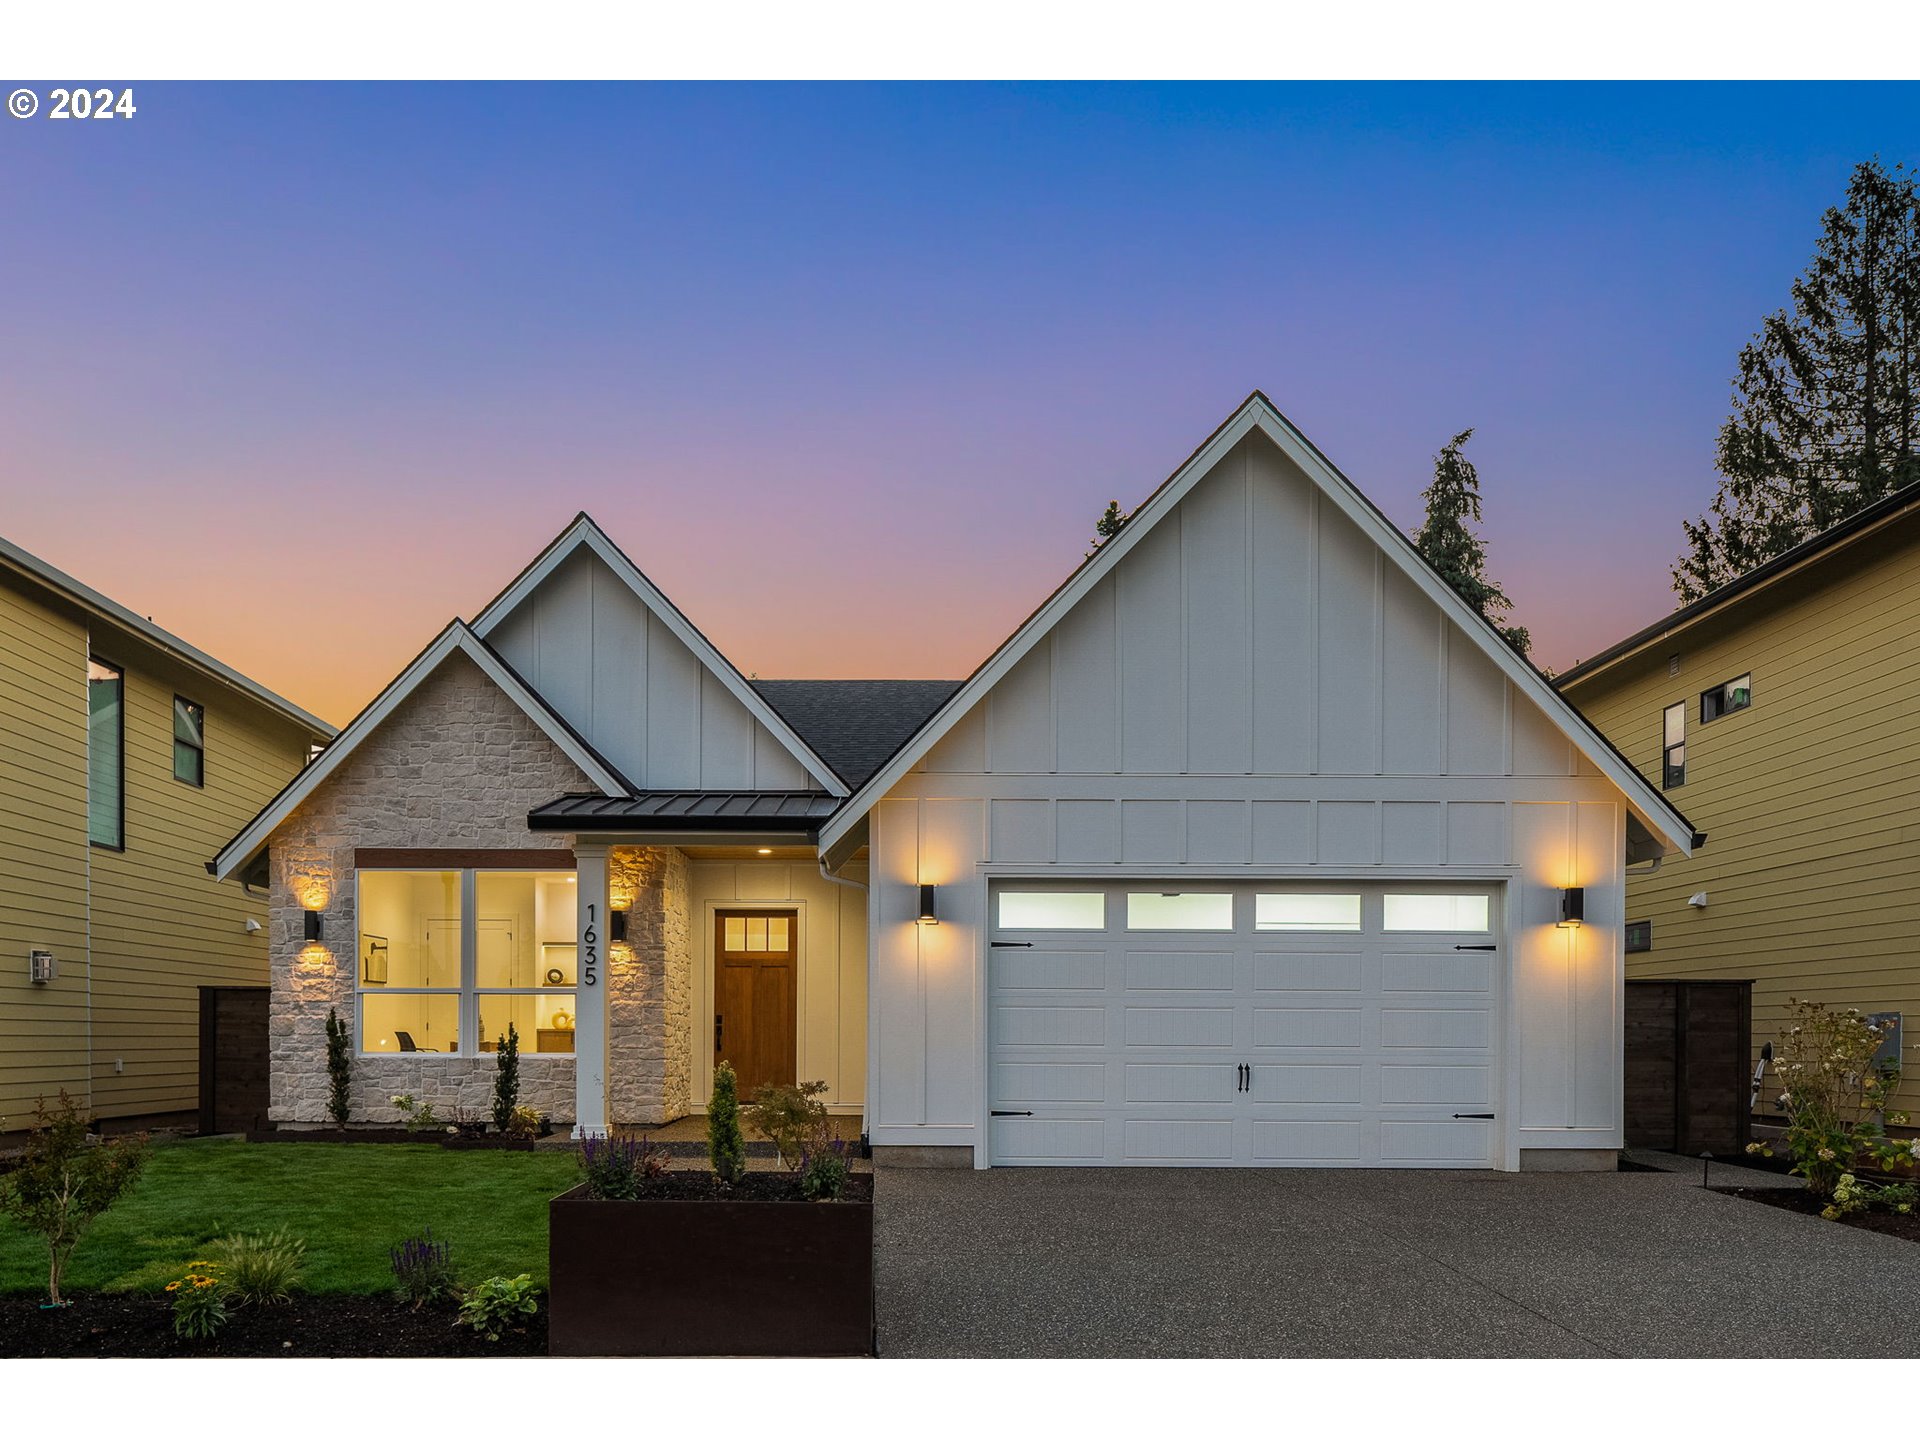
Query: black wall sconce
{"type": "Point", "coordinates": [927, 915]}
{"type": "Point", "coordinates": [313, 925]}
{"type": "Point", "coordinates": [1573, 907]}
{"type": "Point", "coordinates": [619, 927]}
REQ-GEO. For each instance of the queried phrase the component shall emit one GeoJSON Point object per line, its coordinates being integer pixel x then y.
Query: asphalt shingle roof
{"type": "Point", "coordinates": [855, 725]}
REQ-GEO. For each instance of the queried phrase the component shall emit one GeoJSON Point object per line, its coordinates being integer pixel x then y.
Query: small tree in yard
{"type": "Point", "coordinates": [726, 1148]}
{"type": "Point", "coordinates": [506, 1079]}
{"type": "Point", "coordinates": [1835, 1091]}
{"type": "Point", "coordinates": [66, 1180]}
{"type": "Point", "coordinates": [339, 1070]}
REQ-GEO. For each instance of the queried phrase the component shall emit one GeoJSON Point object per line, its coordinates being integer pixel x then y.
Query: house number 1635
{"type": "Point", "coordinates": [590, 948]}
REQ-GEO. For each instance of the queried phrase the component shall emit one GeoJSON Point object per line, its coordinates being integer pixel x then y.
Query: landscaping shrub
{"type": "Point", "coordinates": [506, 1079]}
{"type": "Point", "coordinates": [339, 1069]}
{"type": "Point", "coordinates": [261, 1269]}
{"type": "Point", "coordinates": [423, 1270]}
{"type": "Point", "coordinates": [525, 1122]}
{"type": "Point", "coordinates": [1851, 1195]}
{"type": "Point", "coordinates": [726, 1149]}
{"type": "Point", "coordinates": [199, 1301]}
{"type": "Point", "coordinates": [824, 1171]}
{"type": "Point", "coordinates": [419, 1114]}
{"type": "Point", "coordinates": [67, 1179]}
{"type": "Point", "coordinates": [614, 1167]}
{"type": "Point", "coordinates": [1835, 1093]}
{"type": "Point", "coordinates": [497, 1305]}
{"type": "Point", "coordinates": [793, 1117]}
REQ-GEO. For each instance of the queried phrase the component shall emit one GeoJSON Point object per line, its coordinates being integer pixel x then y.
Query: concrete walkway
{"type": "Point", "coordinates": [1375, 1263]}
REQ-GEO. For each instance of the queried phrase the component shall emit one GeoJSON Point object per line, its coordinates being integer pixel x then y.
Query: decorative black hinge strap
{"type": "Point", "coordinates": [1028, 945]}
{"type": "Point", "coordinates": [1476, 947]}
{"type": "Point", "coordinates": [1010, 1112]}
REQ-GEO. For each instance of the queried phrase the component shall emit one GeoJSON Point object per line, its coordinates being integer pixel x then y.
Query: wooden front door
{"type": "Point", "coordinates": [755, 995]}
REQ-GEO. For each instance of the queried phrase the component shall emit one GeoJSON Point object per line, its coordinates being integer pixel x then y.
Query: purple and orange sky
{"type": "Point", "coordinates": [304, 371]}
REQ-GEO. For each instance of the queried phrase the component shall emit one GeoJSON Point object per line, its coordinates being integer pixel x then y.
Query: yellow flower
{"type": "Point", "coordinates": [174, 1286]}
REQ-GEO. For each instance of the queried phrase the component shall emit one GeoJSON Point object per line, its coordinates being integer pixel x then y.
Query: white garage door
{"type": "Point", "coordinates": [1243, 1024]}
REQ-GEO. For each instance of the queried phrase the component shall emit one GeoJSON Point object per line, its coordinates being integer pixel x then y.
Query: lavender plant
{"type": "Point", "coordinates": [616, 1167]}
{"type": "Point", "coordinates": [423, 1269]}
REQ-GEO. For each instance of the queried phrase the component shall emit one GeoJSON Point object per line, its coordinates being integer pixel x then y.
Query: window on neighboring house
{"type": "Point", "coordinates": [448, 959]}
{"type": "Point", "coordinates": [1725, 699]}
{"type": "Point", "coordinates": [106, 754]}
{"type": "Point", "coordinates": [1639, 936]}
{"type": "Point", "coordinates": [189, 741]}
{"type": "Point", "coordinates": [1673, 746]}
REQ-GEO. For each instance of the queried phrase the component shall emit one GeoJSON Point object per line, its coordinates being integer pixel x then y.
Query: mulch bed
{"type": "Point", "coordinates": [776, 1185]}
{"type": "Point", "coordinates": [338, 1326]}
{"type": "Point", "coordinates": [1903, 1227]}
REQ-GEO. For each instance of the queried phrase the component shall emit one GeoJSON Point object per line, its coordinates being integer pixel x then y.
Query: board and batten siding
{"type": "Point", "coordinates": [1808, 797]}
{"type": "Point", "coordinates": [135, 933]}
{"type": "Point", "coordinates": [620, 677]}
{"type": "Point", "coordinates": [1254, 689]}
{"type": "Point", "coordinates": [832, 978]}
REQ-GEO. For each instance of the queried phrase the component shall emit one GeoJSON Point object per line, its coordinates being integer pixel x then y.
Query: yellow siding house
{"type": "Point", "coordinates": [1779, 712]}
{"type": "Point", "coordinates": [127, 757]}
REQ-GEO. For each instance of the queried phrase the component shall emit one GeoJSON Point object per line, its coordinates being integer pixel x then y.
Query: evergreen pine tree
{"type": "Point", "coordinates": [726, 1147]}
{"type": "Point", "coordinates": [1826, 404]}
{"type": "Point", "coordinates": [339, 1069]}
{"type": "Point", "coordinates": [1449, 544]}
{"type": "Point", "coordinates": [1109, 524]}
{"type": "Point", "coordinates": [506, 1079]}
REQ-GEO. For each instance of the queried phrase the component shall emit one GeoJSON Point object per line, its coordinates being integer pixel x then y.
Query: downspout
{"type": "Point", "coordinates": [866, 1143]}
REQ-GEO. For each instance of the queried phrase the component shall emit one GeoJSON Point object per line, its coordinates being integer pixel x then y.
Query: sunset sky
{"type": "Point", "coordinates": [302, 372]}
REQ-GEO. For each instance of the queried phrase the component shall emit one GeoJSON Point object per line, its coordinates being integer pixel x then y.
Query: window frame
{"type": "Point", "coordinates": [1672, 776]}
{"type": "Point", "coordinates": [468, 993]}
{"type": "Point", "coordinates": [120, 679]}
{"type": "Point", "coordinates": [1721, 690]}
{"type": "Point", "coordinates": [1628, 936]}
{"type": "Point", "coordinates": [198, 751]}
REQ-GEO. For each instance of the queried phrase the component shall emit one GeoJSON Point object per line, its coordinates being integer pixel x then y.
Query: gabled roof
{"type": "Point", "coordinates": [584, 533]}
{"type": "Point", "coordinates": [457, 638]}
{"type": "Point", "coordinates": [856, 724]}
{"type": "Point", "coordinates": [1258, 413]}
{"type": "Point", "coordinates": [1885, 512]}
{"type": "Point", "coordinates": [93, 603]}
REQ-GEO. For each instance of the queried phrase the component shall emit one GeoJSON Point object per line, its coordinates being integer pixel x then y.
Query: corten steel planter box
{"type": "Point", "coordinates": [709, 1277]}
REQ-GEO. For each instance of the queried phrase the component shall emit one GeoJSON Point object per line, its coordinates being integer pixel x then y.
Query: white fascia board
{"type": "Point", "coordinates": [89, 599]}
{"type": "Point", "coordinates": [456, 637]}
{"type": "Point", "coordinates": [584, 531]}
{"type": "Point", "coordinates": [1259, 414]}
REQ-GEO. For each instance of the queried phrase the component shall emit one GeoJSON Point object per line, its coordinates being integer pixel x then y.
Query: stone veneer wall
{"type": "Point", "coordinates": [457, 765]}
{"type": "Point", "coordinates": [650, 994]}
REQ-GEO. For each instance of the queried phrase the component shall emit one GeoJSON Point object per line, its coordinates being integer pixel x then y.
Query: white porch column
{"type": "Point", "coordinates": [590, 1010]}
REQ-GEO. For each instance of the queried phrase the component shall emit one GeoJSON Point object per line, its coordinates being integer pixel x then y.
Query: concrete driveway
{"type": "Point", "coordinates": [1374, 1263]}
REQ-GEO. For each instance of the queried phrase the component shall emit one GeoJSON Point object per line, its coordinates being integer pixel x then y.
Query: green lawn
{"type": "Point", "coordinates": [350, 1203]}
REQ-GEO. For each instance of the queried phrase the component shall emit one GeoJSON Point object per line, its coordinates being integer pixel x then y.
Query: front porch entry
{"type": "Point", "coordinates": [693, 954]}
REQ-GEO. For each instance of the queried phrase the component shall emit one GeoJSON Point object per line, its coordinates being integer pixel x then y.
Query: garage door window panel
{"type": "Point", "coordinates": [1438, 914]}
{"type": "Point", "coordinates": [1053, 910]}
{"type": "Point", "coordinates": [1170, 910]}
{"type": "Point", "coordinates": [1304, 912]}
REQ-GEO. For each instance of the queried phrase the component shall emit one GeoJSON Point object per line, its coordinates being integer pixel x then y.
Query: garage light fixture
{"type": "Point", "coordinates": [927, 915]}
{"type": "Point", "coordinates": [619, 927]}
{"type": "Point", "coordinates": [1573, 907]}
{"type": "Point", "coordinates": [314, 930]}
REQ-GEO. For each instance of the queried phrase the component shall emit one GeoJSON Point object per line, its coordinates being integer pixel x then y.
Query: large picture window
{"type": "Point", "coordinates": [106, 755]}
{"type": "Point", "coordinates": [449, 958]}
